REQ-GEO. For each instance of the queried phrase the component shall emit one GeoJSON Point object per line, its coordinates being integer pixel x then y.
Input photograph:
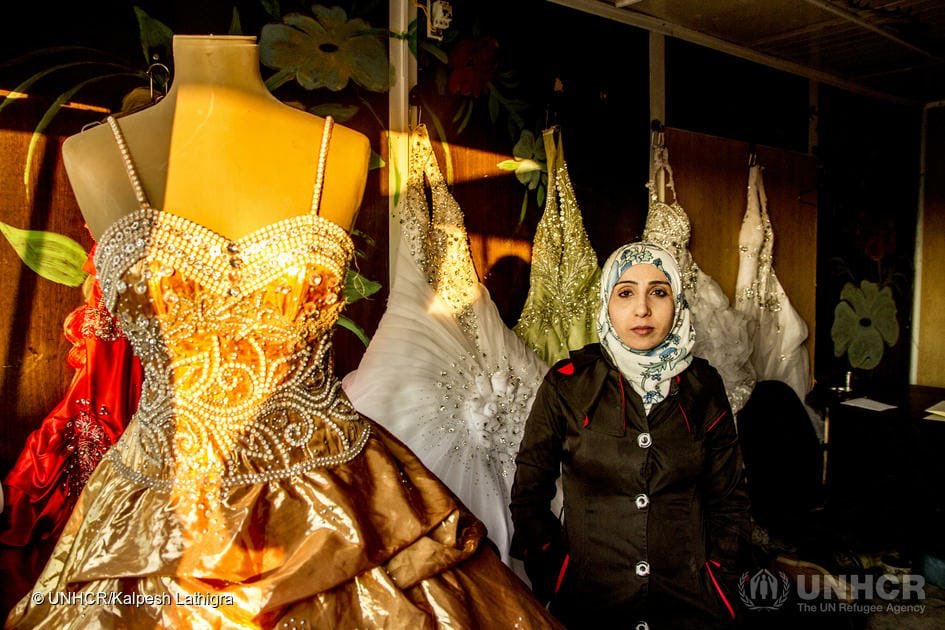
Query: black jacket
{"type": "Point", "coordinates": [655, 507]}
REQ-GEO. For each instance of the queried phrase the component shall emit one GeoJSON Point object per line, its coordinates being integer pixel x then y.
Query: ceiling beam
{"type": "Point", "coordinates": [856, 19]}
{"type": "Point", "coordinates": [664, 27]}
{"type": "Point", "coordinates": [625, 3]}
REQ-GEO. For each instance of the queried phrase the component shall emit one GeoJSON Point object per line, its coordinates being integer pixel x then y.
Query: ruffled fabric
{"type": "Point", "coordinates": [58, 457]}
{"type": "Point", "coordinates": [375, 542]}
{"type": "Point", "coordinates": [443, 372]}
{"type": "Point", "coordinates": [779, 351]}
{"type": "Point", "coordinates": [723, 334]}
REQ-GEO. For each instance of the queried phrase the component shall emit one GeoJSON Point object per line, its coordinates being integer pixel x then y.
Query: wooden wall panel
{"type": "Point", "coordinates": [711, 177]}
{"type": "Point", "coordinates": [32, 347]}
{"type": "Point", "coordinates": [930, 319]}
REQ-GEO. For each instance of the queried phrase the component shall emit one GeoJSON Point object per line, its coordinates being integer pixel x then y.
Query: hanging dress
{"type": "Point", "coordinates": [560, 311]}
{"type": "Point", "coordinates": [246, 492]}
{"type": "Point", "coordinates": [723, 335]}
{"type": "Point", "coordinates": [443, 372]}
{"type": "Point", "coordinates": [60, 455]}
{"type": "Point", "coordinates": [779, 352]}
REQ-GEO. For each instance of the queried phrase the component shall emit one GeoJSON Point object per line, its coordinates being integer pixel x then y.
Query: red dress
{"type": "Point", "coordinates": [41, 489]}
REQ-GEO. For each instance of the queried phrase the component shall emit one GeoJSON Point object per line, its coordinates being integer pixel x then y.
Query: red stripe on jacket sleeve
{"type": "Point", "coordinates": [716, 421]}
{"type": "Point", "coordinates": [718, 589]}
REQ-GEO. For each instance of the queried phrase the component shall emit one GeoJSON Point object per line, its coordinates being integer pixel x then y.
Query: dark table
{"type": "Point", "coordinates": [886, 472]}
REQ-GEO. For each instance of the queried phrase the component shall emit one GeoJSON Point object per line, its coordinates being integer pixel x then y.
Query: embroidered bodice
{"type": "Point", "coordinates": [234, 338]}
{"type": "Point", "coordinates": [437, 239]}
{"type": "Point", "coordinates": [667, 224]}
{"type": "Point", "coordinates": [560, 311]}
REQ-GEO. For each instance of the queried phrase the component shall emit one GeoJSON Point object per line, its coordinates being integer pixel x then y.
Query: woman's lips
{"type": "Point", "coordinates": [642, 330]}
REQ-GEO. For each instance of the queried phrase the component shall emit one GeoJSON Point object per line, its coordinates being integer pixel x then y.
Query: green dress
{"type": "Point", "coordinates": [560, 312]}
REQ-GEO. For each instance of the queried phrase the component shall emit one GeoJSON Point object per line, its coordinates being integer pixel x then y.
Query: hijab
{"type": "Point", "coordinates": [649, 372]}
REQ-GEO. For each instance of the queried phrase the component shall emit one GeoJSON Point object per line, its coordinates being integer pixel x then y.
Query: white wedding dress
{"type": "Point", "coordinates": [779, 352]}
{"type": "Point", "coordinates": [723, 335]}
{"type": "Point", "coordinates": [443, 372]}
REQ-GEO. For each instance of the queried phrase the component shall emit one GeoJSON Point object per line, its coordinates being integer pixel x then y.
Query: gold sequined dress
{"type": "Point", "coordinates": [443, 372]}
{"type": "Point", "coordinates": [246, 491]}
{"type": "Point", "coordinates": [560, 311]}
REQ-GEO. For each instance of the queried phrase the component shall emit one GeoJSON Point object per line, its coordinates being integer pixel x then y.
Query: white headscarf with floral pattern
{"type": "Point", "coordinates": [648, 371]}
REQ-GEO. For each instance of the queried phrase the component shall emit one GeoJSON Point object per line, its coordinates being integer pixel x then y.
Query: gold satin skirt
{"type": "Point", "coordinates": [377, 542]}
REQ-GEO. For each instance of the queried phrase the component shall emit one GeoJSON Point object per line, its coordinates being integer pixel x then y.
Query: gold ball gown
{"type": "Point", "coordinates": [246, 491]}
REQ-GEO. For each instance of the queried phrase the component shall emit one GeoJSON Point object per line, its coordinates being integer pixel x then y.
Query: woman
{"type": "Point", "coordinates": [655, 506]}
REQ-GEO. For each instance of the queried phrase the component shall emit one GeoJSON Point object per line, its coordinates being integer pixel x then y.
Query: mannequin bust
{"type": "Point", "coordinates": [219, 150]}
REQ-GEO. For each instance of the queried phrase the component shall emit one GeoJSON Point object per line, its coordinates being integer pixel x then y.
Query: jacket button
{"type": "Point", "coordinates": [644, 440]}
{"type": "Point", "coordinates": [642, 568]}
{"type": "Point", "coordinates": [642, 501]}
{"type": "Point", "coordinates": [642, 626]}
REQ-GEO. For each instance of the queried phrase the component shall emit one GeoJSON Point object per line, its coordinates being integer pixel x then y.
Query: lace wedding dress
{"type": "Point", "coordinates": [723, 335]}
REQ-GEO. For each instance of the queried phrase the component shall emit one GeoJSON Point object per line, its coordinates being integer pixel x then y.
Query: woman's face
{"type": "Point", "coordinates": [641, 307]}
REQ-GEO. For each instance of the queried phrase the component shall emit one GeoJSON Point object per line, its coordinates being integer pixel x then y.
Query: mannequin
{"type": "Point", "coordinates": [219, 150]}
{"type": "Point", "coordinates": [246, 491]}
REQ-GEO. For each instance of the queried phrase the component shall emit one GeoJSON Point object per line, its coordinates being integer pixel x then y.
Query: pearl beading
{"type": "Point", "coordinates": [234, 340]}
{"type": "Point", "coordinates": [437, 239]}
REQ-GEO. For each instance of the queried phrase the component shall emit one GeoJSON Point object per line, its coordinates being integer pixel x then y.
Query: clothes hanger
{"type": "Point", "coordinates": [657, 135]}
{"type": "Point", "coordinates": [156, 69]}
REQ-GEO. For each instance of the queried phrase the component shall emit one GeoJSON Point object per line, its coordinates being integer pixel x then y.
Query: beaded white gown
{"type": "Point", "coordinates": [443, 372]}
{"type": "Point", "coordinates": [779, 351]}
{"type": "Point", "coordinates": [723, 334]}
{"type": "Point", "coordinates": [246, 492]}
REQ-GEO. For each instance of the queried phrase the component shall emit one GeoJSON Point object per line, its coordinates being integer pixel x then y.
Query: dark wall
{"type": "Point", "coordinates": [868, 154]}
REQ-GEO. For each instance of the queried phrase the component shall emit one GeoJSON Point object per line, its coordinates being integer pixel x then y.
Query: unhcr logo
{"type": "Point", "coordinates": [895, 593]}
{"type": "Point", "coordinates": [764, 590]}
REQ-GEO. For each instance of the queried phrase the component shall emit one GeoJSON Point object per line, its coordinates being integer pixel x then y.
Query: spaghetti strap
{"type": "Point", "coordinates": [322, 159]}
{"type": "Point", "coordinates": [129, 163]}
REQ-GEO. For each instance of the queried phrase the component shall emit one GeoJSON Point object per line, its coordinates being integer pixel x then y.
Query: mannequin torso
{"type": "Point", "coordinates": [219, 150]}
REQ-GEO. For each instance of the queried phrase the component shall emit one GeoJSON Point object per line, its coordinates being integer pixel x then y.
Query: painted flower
{"type": "Point", "coordinates": [863, 321]}
{"type": "Point", "coordinates": [473, 63]}
{"type": "Point", "coordinates": [326, 51]}
{"type": "Point", "coordinates": [530, 152]}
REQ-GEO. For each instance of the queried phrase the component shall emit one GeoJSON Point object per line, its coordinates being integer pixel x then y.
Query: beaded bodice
{"type": "Point", "coordinates": [560, 312]}
{"type": "Point", "coordinates": [667, 224]}
{"type": "Point", "coordinates": [437, 240]}
{"type": "Point", "coordinates": [755, 247]}
{"type": "Point", "coordinates": [234, 338]}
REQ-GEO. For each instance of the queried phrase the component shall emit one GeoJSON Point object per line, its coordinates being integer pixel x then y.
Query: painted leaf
{"type": "Point", "coordinates": [358, 287]}
{"type": "Point", "coordinates": [53, 256]}
{"type": "Point", "coordinates": [51, 112]}
{"type": "Point", "coordinates": [32, 79]}
{"type": "Point", "coordinates": [376, 161]}
{"type": "Point", "coordinates": [154, 34]}
{"type": "Point", "coordinates": [346, 323]}
{"type": "Point", "coordinates": [271, 7]}
{"type": "Point", "coordinates": [236, 28]}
